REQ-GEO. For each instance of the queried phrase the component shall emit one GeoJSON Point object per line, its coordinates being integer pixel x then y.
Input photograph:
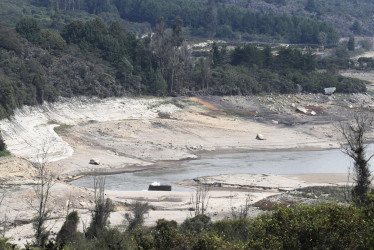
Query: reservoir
{"type": "Point", "coordinates": [258, 162]}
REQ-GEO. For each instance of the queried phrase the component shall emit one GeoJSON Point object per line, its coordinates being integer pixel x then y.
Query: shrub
{"type": "Point", "coordinates": [2, 143]}
{"type": "Point", "coordinates": [29, 28]}
{"type": "Point", "coordinates": [68, 229]}
{"type": "Point", "coordinates": [196, 224]}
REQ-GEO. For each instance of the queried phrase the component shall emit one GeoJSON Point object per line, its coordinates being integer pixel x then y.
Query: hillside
{"type": "Point", "coordinates": [200, 19]}
{"type": "Point", "coordinates": [342, 14]}
{"type": "Point", "coordinates": [93, 59]}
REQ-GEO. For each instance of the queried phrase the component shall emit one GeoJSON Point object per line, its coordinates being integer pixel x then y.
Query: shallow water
{"type": "Point", "coordinates": [261, 162]}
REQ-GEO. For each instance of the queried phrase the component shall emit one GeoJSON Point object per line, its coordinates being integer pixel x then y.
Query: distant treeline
{"type": "Point", "coordinates": [208, 18]}
{"type": "Point", "coordinates": [91, 58]}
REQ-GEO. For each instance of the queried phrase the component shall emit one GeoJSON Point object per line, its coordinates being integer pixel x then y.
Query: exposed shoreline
{"type": "Point", "coordinates": [141, 134]}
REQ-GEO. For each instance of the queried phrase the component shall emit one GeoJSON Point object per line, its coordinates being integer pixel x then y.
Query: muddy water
{"type": "Point", "coordinates": [283, 163]}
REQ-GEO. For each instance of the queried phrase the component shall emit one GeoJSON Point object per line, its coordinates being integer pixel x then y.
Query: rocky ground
{"type": "Point", "coordinates": [131, 134]}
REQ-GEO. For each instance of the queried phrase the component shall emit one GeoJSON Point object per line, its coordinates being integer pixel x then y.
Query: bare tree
{"type": "Point", "coordinates": [199, 200]}
{"type": "Point", "coordinates": [354, 134]}
{"type": "Point", "coordinates": [44, 179]}
{"type": "Point", "coordinates": [102, 210]}
{"type": "Point", "coordinates": [4, 220]}
{"type": "Point", "coordinates": [242, 211]}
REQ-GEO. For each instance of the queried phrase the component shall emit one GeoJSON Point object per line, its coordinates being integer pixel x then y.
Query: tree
{"type": "Point", "coordinates": [211, 18]}
{"type": "Point", "coordinates": [354, 135]}
{"type": "Point", "coordinates": [68, 229]}
{"type": "Point", "coordinates": [136, 220]}
{"type": "Point", "coordinates": [103, 208]}
{"type": "Point", "coordinates": [42, 190]}
{"type": "Point", "coordinates": [356, 28]}
{"type": "Point", "coordinates": [322, 38]}
{"type": "Point", "coordinates": [311, 6]}
{"type": "Point", "coordinates": [29, 28]}
{"type": "Point", "coordinates": [351, 44]}
{"type": "Point", "coordinates": [216, 55]}
{"type": "Point", "coordinates": [73, 32]}
{"type": "Point", "coordinates": [199, 201]}
{"type": "Point", "coordinates": [2, 143]}
{"type": "Point", "coordinates": [177, 38]}
{"type": "Point", "coordinates": [52, 40]}
{"type": "Point", "coordinates": [159, 85]}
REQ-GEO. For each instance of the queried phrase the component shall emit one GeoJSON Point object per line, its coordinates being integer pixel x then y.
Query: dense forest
{"type": "Point", "coordinates": [50, 53]}
{"type": "Point", "coordinates": [92, 58]}
{"type": "Point", "coordinates": [349, 17]}
{"type": "Point", "coordinates": [207, 19]}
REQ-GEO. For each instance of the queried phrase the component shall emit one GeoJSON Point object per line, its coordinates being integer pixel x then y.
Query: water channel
{"type": "Point", "coordinates": [258, 162]}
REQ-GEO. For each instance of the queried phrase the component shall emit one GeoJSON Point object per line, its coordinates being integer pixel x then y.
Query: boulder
{"type": "Point", "coordinates": [330, 91]}
{"type": "Point", "coordinates": [95, 161]}
{"type": "Point", "coordinates": [260, 137]}
{"type": "Point", "coordinates": [301, 110]}
{"type": "Point", "coordinates": [274, 121]}
{"type": "Point", "coordinates": [313, 113]}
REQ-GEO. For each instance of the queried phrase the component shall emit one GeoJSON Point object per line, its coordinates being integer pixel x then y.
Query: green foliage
{"type": "Point", "coordinates": [159, 85]}
{"type": "Point", "coordinates": [322, 226]}
{"type": "Point", "coordinates": [165, 236]}
{"type": "Point", "coordinates": [351, 44]}
{"type": "Point", "coordinates": [311, 6]}
{"type": "Point", "coordinates": [325, 226]}
{"type": "Point", "coordinates": [52, 40]}
{"type": "Point", "coordinates": [136, 220]}
{"type": "Point", "coordinates": [68, 230]}
{"type": "Point", "coordinates": [90, 58]}
{"type": "Point", "coordinates": [196, 225]}
{"type": "Point", "coordinates": [100, 217]}
{"type": "Point", "coordinates": [356, 28]}
{"type": "Point", "coordinates": [2, 144]}
{"type": "Point", "coordinates": [223, 21]}
{"type": "Point", "coordinates": [5, 245]}
{"type": "Point", "coordinates": [5, 153]}
{"type": "Point", "coordinates": [29, 28]}
{"type": "Point", "coordinates": [9, 40]}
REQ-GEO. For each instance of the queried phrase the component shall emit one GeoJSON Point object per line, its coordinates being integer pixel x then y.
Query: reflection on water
{"type": "Point", "coordinates": [286, 162]}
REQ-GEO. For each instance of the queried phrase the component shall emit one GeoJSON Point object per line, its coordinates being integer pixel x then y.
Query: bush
{"type": "Point", "coordinates": [2, 143]}
{"type": "Point", "coordinates": [136, 220]}
{"type": "Point", "coordinates": [52, 40]}
{"type": "Point", "coordinates": [29, 28]}
{"type": "Point", "coordinates": [68, 229]}
{"type": "Point", "coordinates": [325, 226]}
{"type": "Point", "coordinates": [196, 224]}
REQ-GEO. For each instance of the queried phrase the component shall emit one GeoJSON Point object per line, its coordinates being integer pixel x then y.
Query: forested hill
{"type": "Point", "coordinates": [53, 48]}
{"type": "Point", "coordinates": [347, 16]}
{"type": "Point", "coordinates": [93, 59]}
{"type": "Point", "coordinates": [200, 18]}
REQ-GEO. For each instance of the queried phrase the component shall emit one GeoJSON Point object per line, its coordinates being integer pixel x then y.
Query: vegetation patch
{"type": "Point", "coordinates": [164, 115]}
{"type": "Point", "coordinates": [62, 128]}
{"type": "Point", "coordinates": [270, 204]}
{"type": "Point", "coordinates": [324, 193]}
{"type": "Point", "coordinates": [4, 153]}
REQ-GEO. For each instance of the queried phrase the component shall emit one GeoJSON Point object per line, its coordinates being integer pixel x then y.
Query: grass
{"type": "Point", "coordinates": [62, 128]}
{"type": "Point", "coordinates": [4, 153]}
